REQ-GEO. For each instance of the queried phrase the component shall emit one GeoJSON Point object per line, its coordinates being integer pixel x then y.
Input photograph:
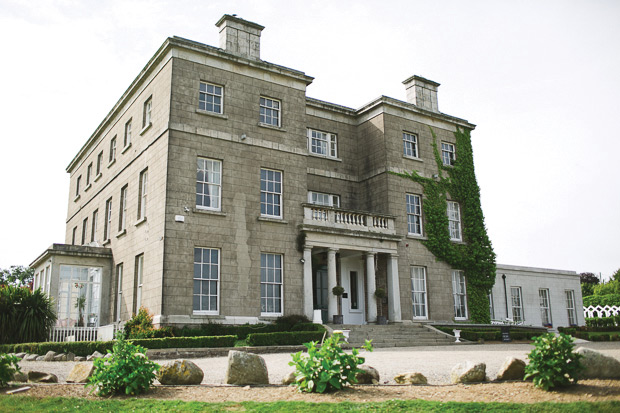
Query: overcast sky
{"type": "Point", "coordinates": [541, 80]}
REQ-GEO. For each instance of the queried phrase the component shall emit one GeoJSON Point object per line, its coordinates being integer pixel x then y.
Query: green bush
{"type": "Point", "coordinates": [128, 371]}
{"type": "Point", "coordinates": [8, 367]}
{"type": "Point", "coordinates": [141, 326]}
{"type": "Point", "coordinates": [602, 300]}
{"type": "Point", "coordinates": [283, 338]}
{"type": "Point", "coordinates": [186, 342]}
{"type": "Point", "coordinates": [287, 322]}
{"type": "Point", "coordinates": [242, 331]}
{"type": "Point", "coordinates": [552, 362]}
{"type": "Point", "coordinates": [25, 316]}
{"type": "Point", "coordinates": [326, 368]}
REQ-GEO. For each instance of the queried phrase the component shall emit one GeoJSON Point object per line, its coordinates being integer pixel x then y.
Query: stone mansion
{"type": "Point", "coordinates": [215, 190]}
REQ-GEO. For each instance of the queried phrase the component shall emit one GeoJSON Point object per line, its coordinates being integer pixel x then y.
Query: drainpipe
{"type": "Point", "coordinates": [505, 294]}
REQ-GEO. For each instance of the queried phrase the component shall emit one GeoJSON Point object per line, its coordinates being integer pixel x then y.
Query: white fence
{"type": "Point", "coordinates": [599, 311]}
{"type": "Point", "coordinates": [60, 334]}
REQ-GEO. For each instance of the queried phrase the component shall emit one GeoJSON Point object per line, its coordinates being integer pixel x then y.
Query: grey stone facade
{"type": "Point", "coordinates": [361, 243]}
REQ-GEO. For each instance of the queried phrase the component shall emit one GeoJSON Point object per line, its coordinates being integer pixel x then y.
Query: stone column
{"type": "Point", "coordinates": [332, 301]}
{"type": "Point", "coordinates": [393, 292]}
{"type": "Point", "coordinates": [371, 286]}
{"type": "Point", "coordinates": [308, 293]}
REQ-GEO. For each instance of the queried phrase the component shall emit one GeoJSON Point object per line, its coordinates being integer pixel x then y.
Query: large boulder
{"type": "Point", "coordinates": [411, 378]}
{"type": "Point", "coordinates": [369, 375]}
{"type": "Point", "coordinates": [49, 356]}
{"type": "Point", "coordinates": [511, 369]}
{"type": "Point", "coordinates": [246, 368]}
{"type": "Point", "coordinates": [41, 377]}
{"type": "Point", "coordinates": [20, 377]}
{"type": "Point", "coordinates": [60, 357]}
{"type": "Point", "coordinates": [597, 365]}
{"type": "Point", "coordinates": [180, 372]}
{"type": "Point", "coordinates": [70, 356]}
{"type": "Point", "coordinates": [468, 372]}
{"type": "Point", "coordinates": [80, 373]}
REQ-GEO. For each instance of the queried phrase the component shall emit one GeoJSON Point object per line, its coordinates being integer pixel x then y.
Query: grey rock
{"type": "Point", "coordinates": [42, 377]}
{"type": "Point", "coordinates": [411, 378]}
{"type": "Point", "coordinates": [79, 358]}
{"type": "Point", "coordinates": [246, 368]}
{"type": "Point", "coordinates": [30, 357]}
{"type": "Point", "coordinates": [597, 365]}
{"type": "Point", "coordinates": [370, 375]}
{"type": "Point", "coordinates": [468, 372]}
{"type": "Point", "coordinates": [511, 369]}
{"type": "Point", "coordinates": [70, 356]}
{"type": "Point", "coordinates": [60, 357]}
{"type": "Point", "coordinates": [80, 373]}
{"type": "Point", "coordinates": [40, 358]}
{"type": "Point", "coordinates": [180, 372]}
{"type": "Point", "coordinates": [290, 378]}
{"type": "Point", "coordinates": [95, 355]}
{"type": "Point", "coordinates": [20, 377]}
{"type": "Point", "coordinates": [20, 355]}
{"type": "Point", "coordinates": [49, 356]}
{"type": "Point", "coordinates": [108, 356]}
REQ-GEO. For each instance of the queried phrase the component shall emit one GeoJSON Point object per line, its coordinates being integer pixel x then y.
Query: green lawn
{"type": "Point", "coordinates": [57, 404]}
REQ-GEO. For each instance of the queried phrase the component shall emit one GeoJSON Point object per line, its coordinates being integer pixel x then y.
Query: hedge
{"type": "Point", "coordinates": [186, 342]}
{"type": "Point", "coordinates": [491, 334]}
{"type": "Point", "coordinates": [602, 300]}
{"type": "Point", "coordinates": [242, 331]}
{"type": "Point", "coordinates": [284, 338]}
{"type": "Point", "coordinates": [613, 321]}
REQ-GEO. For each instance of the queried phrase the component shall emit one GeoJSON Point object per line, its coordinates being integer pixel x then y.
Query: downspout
{"type": "Point", "coordinates": [505, 294]}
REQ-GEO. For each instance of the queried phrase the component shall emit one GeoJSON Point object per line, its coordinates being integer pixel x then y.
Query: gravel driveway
{"type": "Point", "coordinates": [434, 362]}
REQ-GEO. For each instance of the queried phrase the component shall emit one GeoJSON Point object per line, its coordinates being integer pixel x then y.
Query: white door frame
{"type": "Point", "coordinates": [348, 266]}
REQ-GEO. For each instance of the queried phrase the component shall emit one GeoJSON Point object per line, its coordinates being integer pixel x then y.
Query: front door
{"type": "Point", "coordinates": [320, 292]}
{"type": "Point", "coordinates": [353, 298]}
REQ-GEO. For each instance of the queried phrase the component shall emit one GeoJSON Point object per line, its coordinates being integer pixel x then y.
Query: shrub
{"type": "Point", "coordinates": [328, 367]}
{"type": "Point", "coordinates": [25, 316]}
{"type": "Point", "coordinates": [128, 371]}
{"type": "Point", "coordinates": [288, 321]}
{"type": "Point", "coordinates": [552, 362]}
{"type": "Point", "coordinates": [283, 338]}
{"type": "Point", "coordinates": [141, 326]}
{"type": "Point", "coordinates": [8, 367]}
{"type": "Point", "coordinates": [602, 300]}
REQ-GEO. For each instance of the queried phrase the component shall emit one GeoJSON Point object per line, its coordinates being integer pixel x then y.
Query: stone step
{"type": "Point", "coordinates": [395, 335]}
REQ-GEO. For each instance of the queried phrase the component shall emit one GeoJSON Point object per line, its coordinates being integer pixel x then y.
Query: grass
{"type": "Point", "coordinates": [57, 404]}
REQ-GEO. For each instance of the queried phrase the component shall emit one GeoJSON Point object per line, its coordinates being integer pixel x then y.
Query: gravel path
{"type": "Point", "coordinates": [434, 362]}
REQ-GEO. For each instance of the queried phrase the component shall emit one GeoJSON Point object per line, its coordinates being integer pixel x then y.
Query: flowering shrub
{"type": "Point", "coordinates": [552, 361]}
{"type": "Point", "coordinates": [328, 367]}
{"type": "Point", "coordinates": [128, 371]}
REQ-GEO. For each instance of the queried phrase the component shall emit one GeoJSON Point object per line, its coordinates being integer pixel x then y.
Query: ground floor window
{"type": "Point", "coordinates": [79, 296]}
{"type": "Point", "coordinates": [545, 306]}
{"type": "Point", "coordinates": [517, 304]}
{"type": "Point", "coordinates": [270, 284]}
{"type": "Point", "coordinates": [206, 280]}
{"type": "Point", "coordinates": [418, 292]}
{"type": "Point", "coordinates": [459, 294]}
{"type": "Point", "coordinates": [570, 307]}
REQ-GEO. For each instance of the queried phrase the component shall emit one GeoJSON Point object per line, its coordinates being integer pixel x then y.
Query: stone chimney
{"type": "Point", "coordinates": [422, 92]}
{"type": "Point", "coordinates": [239, 36]}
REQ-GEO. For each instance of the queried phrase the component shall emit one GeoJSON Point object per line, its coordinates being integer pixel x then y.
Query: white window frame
{"type": "Point", "coordinates": [199, 267]}
{"type": "Point", "coordinates": [414, 214]}
{"type": "Point", "coordinates": [454, 221]}
{"type": "Point", "coordinates": [99, 164]}
{"type": "Point", "coordinates": [410, 145]}
{"type": "Point", "coordinates": [84, 230]}
{"type": "Point", "coordinates": [516, 304]}
{"type": "Point", "coordinates": [271, 193]}
{"type": "Point", "coordinates": [112, 156]}
{"type": "Point", "coordinates": [459, 295]}
{"type": "Point", "coordinates": [93, 231]}
{"type": "Point", "coordinates": [48, 279]}
{"type": "Point", "coordinates": [139, 282]}
{"type": "Point", "coordinates": [419, 298]}
{"type": "Point", "coordinates": [270, 111]}
{"type": "Point", "coordinates": [323, 199]}
{"type": "Point", "coordinates": [107, 227]}
{"type": "Point", "coordinates": [448, 153]}
{"type": "Point", "coordinates": [142, 194]}
{"type": "Point", "coordinates": [209, 100]}
{"type": "Point", "coordinates": [272, 278]}
{"type": "Point", "coordinates": [127, 135]}
{"type": "Point", "coordinates": [322, 143]}
{"type": "Point", "coordinates": [78, 183]}
{"type": "Point", "coordinates": [146, 113]}
{"type": "Point", "coordinates": [122, 212]}
{"type": "Point", "coordinates": [545, 306]}
{"type": "Point", "coordinates": [119, 291]}
{"type": "Point", "coordinates": [209, 184]}
{"type": "Point", "coordinates": [570, 307]}
{"type": "Point", "coordinates": [89, 172]}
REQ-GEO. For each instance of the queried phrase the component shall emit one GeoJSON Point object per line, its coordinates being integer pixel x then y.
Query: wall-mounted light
{"type": "Point", "coordinates": [243, 136]}
{"type": "Point", "coordinates": [435, 176]}
{"type": "Point", "coordinates": [302, 261]}
{"type": "Point", "coordinates": [186, 209]}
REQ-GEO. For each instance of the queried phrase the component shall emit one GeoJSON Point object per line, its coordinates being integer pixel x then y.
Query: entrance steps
{"type": "Point", "coordinates": [395, 335]}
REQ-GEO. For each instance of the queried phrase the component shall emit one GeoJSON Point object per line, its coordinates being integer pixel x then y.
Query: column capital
{"type": "Point", "coordinates": [307, 248]}
{"type": "Point", "coordinates": [393, 254]}
{"type": "Point", "coordinates": [370, 254]}
{"type": "Point", "coordinates": [334, 250]}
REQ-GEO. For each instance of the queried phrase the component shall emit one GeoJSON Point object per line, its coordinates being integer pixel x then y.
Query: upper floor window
{"type": "Point", "coordinates": [459, 293]}
{"type": "Point", "coordinates": [209, 184]}
{"type": "Point", "coordinates": [89, 172]}
{"type": "Point", "coordinates": [122, 213]}
{"type": "Point", "coordinates": [211, 98]}
{"type": "Point", "coordinates": [99, 162]}
{"type": "Point", "coordinates": [146, 114]}
{"type": "Point", "coordinates": [107, 220]}
{"type": "Point", "coordinates": [454, 221]}
{"type": "Point", "coordinates": [93, 231]}
{"type": "Point", "coordinates": [84, 230]}
{"type": "Point", "coordinates": [322, 143]}
{"type": "Point", "coordinates": [410, 145]}
{"type": "Point", "coordinates": [414, 214]}
{"type": "Point", "coordinates": [127, 137]}
{"type": "Point", "coordinates": [142, 194]}
{"type": "Point", "coordinates": [271, 193]}
{"type": "Point", "coordinates": [78, 182]}
{"type": "Point", "coordinates": [447, 153]}
{"type": "Point", "coordinates": [320, 198]}
{"type": "Point", "coordinates": [112, 150]}
{"type": "Point", "coordinates": [517, 304]}
{"type": "Point", "coordinates": [73, 235]}
{"type": "Point", "coordinates": [270, 111]}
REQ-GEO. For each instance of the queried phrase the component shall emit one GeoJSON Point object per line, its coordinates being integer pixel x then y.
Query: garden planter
{"type": "Point", "coordinates": [381, 320]}
{"type": "Point", "coordinates": [338, 319]}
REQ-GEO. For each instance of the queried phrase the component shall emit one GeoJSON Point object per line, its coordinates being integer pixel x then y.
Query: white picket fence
{"type": "Point", "coordinates": [599, 311]}
{"type": "Point", "coordinates": [60, 334]}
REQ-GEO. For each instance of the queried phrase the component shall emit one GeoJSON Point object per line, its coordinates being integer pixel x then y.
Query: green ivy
{"type": "Point", "coordinates": [475, 254]}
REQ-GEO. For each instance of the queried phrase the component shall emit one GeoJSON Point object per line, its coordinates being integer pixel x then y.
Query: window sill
{"type": "Point", "coordinates": [106, 242]}
{"type": "Point", "coordinates": [272, 127]}
{"type": "Point", "coordinates": [270, 316]}
{"type": "Point", "coordinates": [120, 234]}
{"type": "Point", "coordinates": [412, 158]}
{"type": "Point", "coordinates": [416, 236]}
{"type": "Point", "coordinates": [112, 162]}
{"type": "Point", "coordinates": [272, 219]}
{"type": "Point", "coordinates": [77, 198]}
{"type": "Point", "coordinates": [330, 158]}
{"type": "Point", "coordinates": [88, 187]}
{"type": "Point", "coordinates": [140, 222]}
{"type": "Point", "coordinates": [214, 114]}
{"type": "Point", "coordinates": [99, 175]}
{"type": "Point", "coordinates": [206, 313]}
{"type": "Point", "coordinates": [209, 212]}
{"type": "Point", "coordinates": [126, 148]}
{"type": "Point", "coordinates": [144, 129]}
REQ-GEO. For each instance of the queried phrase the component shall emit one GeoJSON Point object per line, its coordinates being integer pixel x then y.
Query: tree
{"type": "Point", "coordinates": [17, 276]}
{"type": "Point", "coordinates": [616, 275]}
{"type": "Point", "coordinates": [588, 281]}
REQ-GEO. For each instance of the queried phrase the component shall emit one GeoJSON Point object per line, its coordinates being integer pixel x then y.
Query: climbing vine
{"type": "Point", "coordinates": [475, 255]}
